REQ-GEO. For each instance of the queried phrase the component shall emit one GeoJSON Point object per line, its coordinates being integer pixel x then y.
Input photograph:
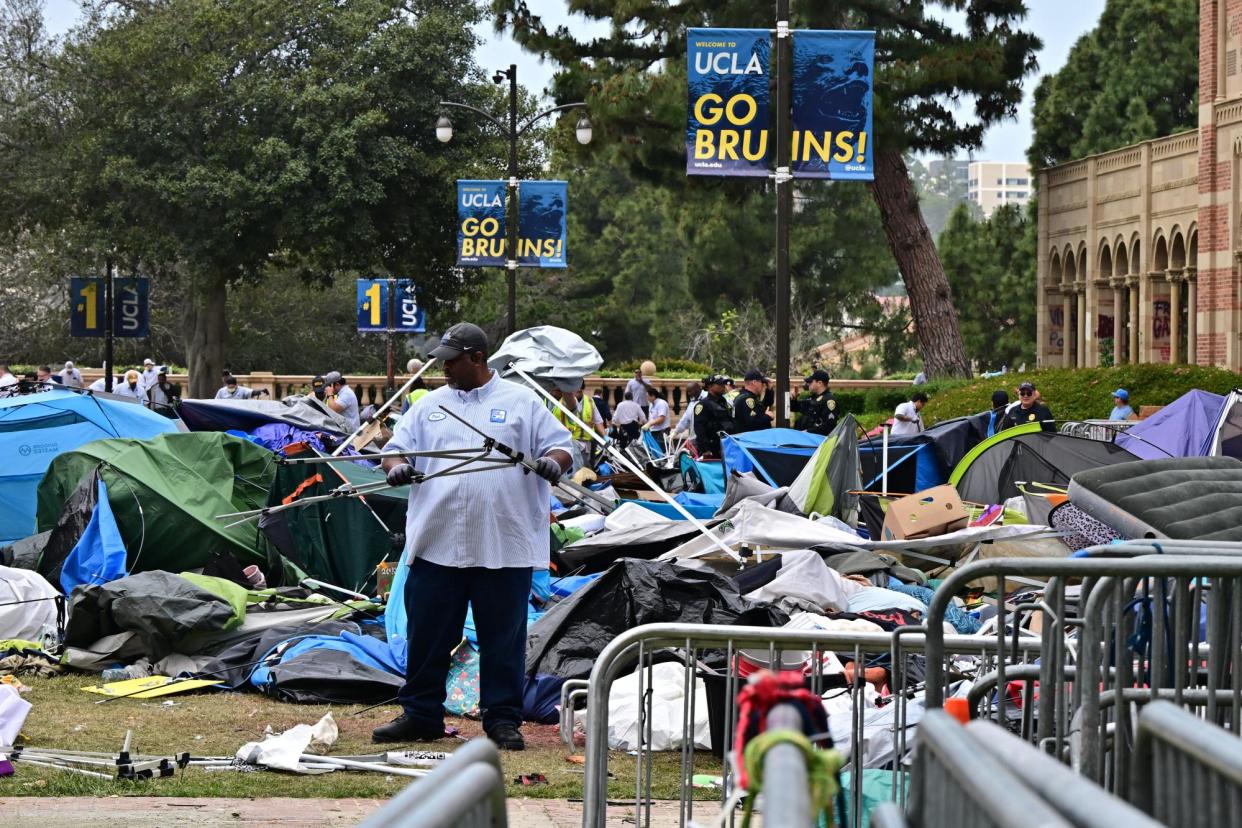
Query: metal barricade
{"type": "Point", "coordinates": [572, 691]}
{"type": "Point", "coordinates": [467, 791]}
{"type": "Point", "coordinates": [636, 648]}
{"type": "Point", "coordinates": [786, 790]}
{"type": "Point", "coordinates": [1137, 620]}
{"type": "Point", "coordinates": [1105, 431]}
{"type": "Point", "coordinates": [950, 786]}
{"type": "Point", "coordinates": [1187, 772]}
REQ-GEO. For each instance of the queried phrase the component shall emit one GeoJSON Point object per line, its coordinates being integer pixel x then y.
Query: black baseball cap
{"type": "Point", "coordinates": [716, 379]}
{"type": "Point", "coordinates": [460, 339]}
{"type": "Point", "coordinates": [755, 374]}
{"type": "Point", "coordinates": [317, 382]}
{"type": "Point", "coordinates": [820, 375]}
{"type": "Point", "coordinates": [1027, 386]}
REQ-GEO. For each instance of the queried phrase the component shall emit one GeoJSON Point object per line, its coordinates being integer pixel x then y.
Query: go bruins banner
{"type": "Point", "coordinates": [727, 129]}
{"type": "Point", "coordinates": [541, 223]}
{"type": "Point", "coordinates": [832, 102]}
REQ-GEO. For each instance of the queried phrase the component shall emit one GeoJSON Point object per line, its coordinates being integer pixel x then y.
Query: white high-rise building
{"type": "Point", "coordinates": [993, 183]}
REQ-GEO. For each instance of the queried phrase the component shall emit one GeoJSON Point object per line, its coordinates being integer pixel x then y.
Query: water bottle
{"type": "Point", "coordinates": [115, 674]}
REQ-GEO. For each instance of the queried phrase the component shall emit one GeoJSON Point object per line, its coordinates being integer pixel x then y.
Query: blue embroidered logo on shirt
{"type": "Point", "coordinates": [499, 415]}
{"type": "Point", "coordinates": [435, 416]}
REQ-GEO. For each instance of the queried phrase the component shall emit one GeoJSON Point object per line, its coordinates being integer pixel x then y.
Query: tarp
{"type": "Point", "coordinates": [568, 639]}
{"type": "Point", "coordinates": [547, 353]}
{"type": "Point", "coordinates": [36, 428]}
{"type": "Point", "coordinates": [306, 413]}
{"type": "Point", "coordinates": [703, 476]}
{"type": "Point", "coordinates": [777, 455]}
{"type": "Point", "coordinates": [1183, 428]}
{"type": "Point", "coordinates": [166, 494]}
{"type": "Point", "coordinates": [99, 555]}
{"type": "Point", "coordinates": [1227, 441]}
{"type": "Point", "coordinates": [991, 471]}
{"type": "Point", "coordinates": [918, 461]}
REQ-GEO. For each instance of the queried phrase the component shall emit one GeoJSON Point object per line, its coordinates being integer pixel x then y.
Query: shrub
{"type": "Point", "coordinates": [666, 367]}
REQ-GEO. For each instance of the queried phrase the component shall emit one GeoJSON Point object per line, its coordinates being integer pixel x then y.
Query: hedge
{"type": "Point", "coordinates": [1080, 394]}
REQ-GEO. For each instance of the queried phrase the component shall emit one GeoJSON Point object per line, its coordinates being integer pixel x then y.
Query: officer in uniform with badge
{"type": "Point", "coordinates": [817, 414]}
{"type": "Point", "coordinates": [750, 412]}
{"type": "Point", "coordinates": [712, 416]}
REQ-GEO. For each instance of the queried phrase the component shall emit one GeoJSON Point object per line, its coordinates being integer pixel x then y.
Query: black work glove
{"type": "Point", "coordinates": [402, 475]}
{"type": "Point", "coordinates": [548, 469]}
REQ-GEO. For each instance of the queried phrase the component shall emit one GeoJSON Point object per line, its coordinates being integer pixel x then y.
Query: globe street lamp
{"type": "Point", "coordinates": [444, 134]}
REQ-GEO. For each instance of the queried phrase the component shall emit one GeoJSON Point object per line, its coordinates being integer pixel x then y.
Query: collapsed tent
{"type": "Point", "coordinates": [992, 470]}
{"type": "Point", "coordinates": [918, 461]}
{"type": "Point", "coordinates": [546, 353]}
{"type": "Point", "coordinates": [1185, 427]}
{"type": "Point", "coordinates": [28, 606]}
{"type": "Point", "coordinates": [36, 428]}
{"type": "Point", "coordinates": [305, 413]}
{"type": "Point", "coordinates": [827, 483]}
{"type": "Point", "coordinates": [777, 455]}
{"type": "Point", "coordinates": [339, 541]}
{"type": "Point", "coordinates": [166, 493]}
{"type": "Point", "coordinates": [567, 641]}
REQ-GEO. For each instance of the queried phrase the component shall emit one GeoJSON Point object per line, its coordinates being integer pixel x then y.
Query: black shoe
{"type": "Point", "coordinates": [404, 729]}
{"type": "Point", "coordinates": [507, 737]}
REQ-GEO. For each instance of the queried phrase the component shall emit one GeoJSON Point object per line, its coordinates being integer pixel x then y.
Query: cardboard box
{"type": "Point", "coordinates": [935, 511]}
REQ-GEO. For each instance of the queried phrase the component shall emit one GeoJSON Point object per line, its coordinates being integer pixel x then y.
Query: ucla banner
{"type": "Point", "coordinates": [727, 128]}
{"type": "Point", "coordinates": [481, 223]}
{"type": "Point", "coordinates": [86, 307]}
{"type": "Point", "coordinates": [373, 302]}
{"type": "Point", "coordinates": [131, 298]}
{"type": "Point", "coordinates": [833, 74]}
{"type": "Point", "coordinates": [541, 223]}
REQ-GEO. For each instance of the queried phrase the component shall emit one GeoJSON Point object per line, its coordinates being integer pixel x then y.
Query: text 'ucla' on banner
{"type": "Point", "coordinates": [728, 131]}
{"type": "Point", "coordinates": [481, 229]}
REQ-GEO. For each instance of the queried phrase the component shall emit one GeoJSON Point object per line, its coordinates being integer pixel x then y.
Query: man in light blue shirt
{"type": "Point", "coordinates": [342, 398]}
{"type": "Point", "coordinates": [1121, 406]}
{"type": "Point", "coordinates": [472, 539]}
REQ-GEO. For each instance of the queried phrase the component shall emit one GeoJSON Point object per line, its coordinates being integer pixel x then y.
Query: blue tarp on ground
{"type": "Point", "coordinates": [35, 428]}
{"type": "Point", "coordinates": [664, 510]}
{"type": "Point", "coordinates": [99, 556]}
{"type": "Point", "coordinates": [1183, 428]}
{"type": "Point", "coordinates": [763, 451]}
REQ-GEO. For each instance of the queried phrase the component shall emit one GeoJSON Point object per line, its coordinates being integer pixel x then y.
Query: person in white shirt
{"type": "Point", "coordinates": [150, 374]}
{"type": "Point", "coordinates": [341, 398]}
{"type": "Point", "coordinates": [131, 387]}
{"type": "Point", "coordinates": [629, 418]}
{"type": "Point", "coordinates": [658, 416]}
{"type": "Point", "coordinates": [907, 419]}
{"type": "Point", "coordinates": [472, 540]}
{"type": "Point", "coordinates": [45, 380]}
{"type": "Point", "coordinates": [8, 382]}
{"type": "Point", "coordinates": [233, 391]}
{"type": "Point", "coordinates": [685, 425]}
{"type": "Point", "coordinates": [71, 377]}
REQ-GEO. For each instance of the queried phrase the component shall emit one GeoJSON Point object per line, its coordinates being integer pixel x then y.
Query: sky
{"type": "Point", "coordinates": [1059, 23]}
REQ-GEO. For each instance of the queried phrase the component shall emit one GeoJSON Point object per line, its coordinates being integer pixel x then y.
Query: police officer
{"type": "Point", "coordinates": [750, 412]}
{"type": "Point", "coordinates": [817, 414]}
{"type": "Point", "coordinates": [712, 416]}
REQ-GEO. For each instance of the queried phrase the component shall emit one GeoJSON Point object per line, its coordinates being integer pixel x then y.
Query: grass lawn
{"type": "Point", "coordinates": [217, 724]}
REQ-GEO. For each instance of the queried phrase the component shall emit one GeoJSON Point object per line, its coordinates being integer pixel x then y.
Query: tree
{"type": "Point", "coordinates": [991, 266]}
{"type": "Point", "coordinates": [1107, 94]}
{"type": "Point", "coordinates": [635, 79]}
{"type": "Point", "coordinates": [222, 141]}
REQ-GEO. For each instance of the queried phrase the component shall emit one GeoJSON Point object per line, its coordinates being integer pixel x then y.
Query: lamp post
{"type": "Point", "coordinates": [511, 130]}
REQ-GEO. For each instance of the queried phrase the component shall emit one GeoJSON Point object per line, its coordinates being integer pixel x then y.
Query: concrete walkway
{"type": "Point", "coordinates": [170, 812]}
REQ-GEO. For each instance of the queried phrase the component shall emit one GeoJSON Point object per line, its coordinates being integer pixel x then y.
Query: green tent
{"type": "Point", "coordinates": [825, 483]}
{"type": "Point", "coordinates": [166, 493]}
{"type": "Point", "coordinates": [339, 541]}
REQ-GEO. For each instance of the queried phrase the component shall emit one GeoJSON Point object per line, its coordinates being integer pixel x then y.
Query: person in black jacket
{"type": "Point", "coordinates": [817, 414]}
{"type": "Point", "coordinates": [1030, 409]}
{"type": "Point", "coordinates": [712, 416]}
{"type": "Point", "coordinates": [750, 413]}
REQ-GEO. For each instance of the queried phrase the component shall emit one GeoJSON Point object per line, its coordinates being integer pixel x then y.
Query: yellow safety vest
{"type": "Point", "coordinates": [575, 431]}
{"type": "Point", "coordinates": [415, 395]}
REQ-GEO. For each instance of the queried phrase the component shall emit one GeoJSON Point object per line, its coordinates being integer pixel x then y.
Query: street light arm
{"type": "Point", "coordinates": [495, 122]}
{"type": "Point", "coordinates": [548, 112]}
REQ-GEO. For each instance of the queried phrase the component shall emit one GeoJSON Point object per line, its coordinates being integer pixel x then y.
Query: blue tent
{"type": "Point", "coordinates": [777, 455]}
{"type": "Point", "coordinates": [35, 428]}
{"type": "Point", "coordinates": [1185, 427]}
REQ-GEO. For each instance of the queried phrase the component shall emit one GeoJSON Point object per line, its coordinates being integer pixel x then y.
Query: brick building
{"type": "Point", "coordinates": [1140, 256]}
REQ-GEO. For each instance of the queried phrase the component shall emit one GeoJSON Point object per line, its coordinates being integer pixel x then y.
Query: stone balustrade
{"type": "Point", "coordinates": [370, 388]}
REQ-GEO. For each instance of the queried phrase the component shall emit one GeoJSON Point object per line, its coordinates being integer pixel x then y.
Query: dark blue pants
{"type": "Point", "coordinates": [436, 598]}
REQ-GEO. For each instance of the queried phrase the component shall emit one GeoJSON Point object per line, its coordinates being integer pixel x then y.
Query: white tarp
{"type": "Point", "coordinates": [547, 353]}
{"type": "Point", "coordinates": [34, 620]}
{"type": "Point", "coordinates": [283, 751]}
{"type": "Point", "coordinates": [666, 687]}
{"type": "Point", "coordinates": [804, 579]}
